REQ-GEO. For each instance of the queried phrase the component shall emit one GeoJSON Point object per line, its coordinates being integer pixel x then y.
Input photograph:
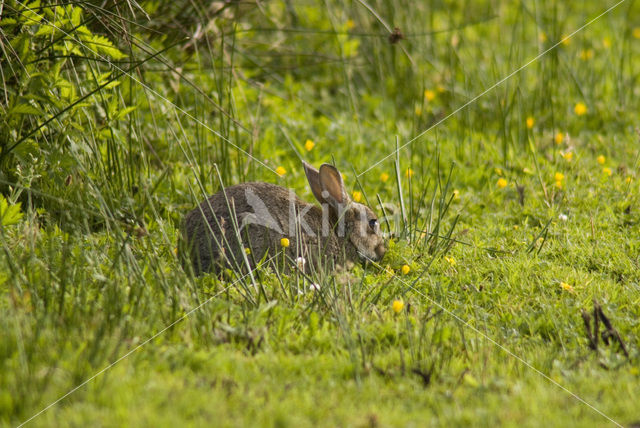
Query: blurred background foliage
{"type": "Point", "coordinates": [110, 105]}
{"type": "Point", "coordinates": [119, 116]}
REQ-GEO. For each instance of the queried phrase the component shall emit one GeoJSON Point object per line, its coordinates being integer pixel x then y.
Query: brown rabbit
{"type": "Point", "coordinates": [237, 227]}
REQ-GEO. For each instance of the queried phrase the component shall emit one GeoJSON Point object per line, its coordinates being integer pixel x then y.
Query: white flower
{"type": "Point", "coordinates": [563, 217]}
{"type": "Point", "coordinates": [300, 261]}
{"type": "Point", "coordinates": [315, 286]}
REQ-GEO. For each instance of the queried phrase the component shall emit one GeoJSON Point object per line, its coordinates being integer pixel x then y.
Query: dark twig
{"type": "Point", "coordinates": [587, 325]}
{"type": "Point", "coordinates": [608, 332]}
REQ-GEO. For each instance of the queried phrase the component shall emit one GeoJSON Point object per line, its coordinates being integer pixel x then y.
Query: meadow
{"type": "Point", "coordinates": [499, 139]}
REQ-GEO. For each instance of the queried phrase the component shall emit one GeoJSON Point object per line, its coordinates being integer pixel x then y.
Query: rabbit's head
{"type": "Point", "coordinates": [349, 220]}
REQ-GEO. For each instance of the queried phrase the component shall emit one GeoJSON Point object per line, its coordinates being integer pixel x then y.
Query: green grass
{"type": "Point", "coordinates": [112, 129]}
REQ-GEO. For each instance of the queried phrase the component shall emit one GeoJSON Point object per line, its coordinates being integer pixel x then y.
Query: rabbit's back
{"type": "Point", "coordinates": [254, 216]}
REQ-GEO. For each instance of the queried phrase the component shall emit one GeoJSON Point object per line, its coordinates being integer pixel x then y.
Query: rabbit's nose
{"type": "Point", "coordinates": [380, 251]}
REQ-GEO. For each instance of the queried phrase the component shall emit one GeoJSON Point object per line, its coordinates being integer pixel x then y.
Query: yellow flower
{"type": "Point", "coordinates": [558, 176]}
{"type": "Point", "coordinates": [281, 171]}
{"type": "Point", "coordinates": [601, 159]}
{"type": "Point", "coordinates": [429, 95]}
{"type": "Point", "coordinates": [558, 138]}
{"type": "Point", "coordinates": [568, 156]}
{"type": "Point", "coordinates": [284, 242]}
{"type": "Point", "coordinates": [558, 184]}
{"type": "Point", "coordinates": [409, 173]}
{"type": "Point", "coordinates": [456, 194]}
{"type": "Point", "coordinates": [636, 33]}
{"type": "Point", "coordinates": [566, 40]}
{"type": "Point", "coordinates": [566, 287]}
{"type": "Point", "coordinates": [405, 269]}
{"type": "Point", "coordinates": [357, 196]}
{"type": "Point", "coordinates": [450, 260]}
{"type": "Point", "coordinates": [542, 37]}
{"type": "Point", "coordinates": [606, 42]}
{"type": "Point", "coordinates": [397, 306]}
{"type": "Point", "coordinates": [580, 109]}
{"type": "Point", "coordinates": [384, 177]}
{"type": "Point", "coordinates": [308, 145]}
{"type": "Point", "coordinates": [530, 122]}
{"type": "Point", "coordinates": [502, 183]}
{"type": "Point", "coordinates": [247, 251]}
{"type": "Point", "coordinates": [586, 54]}
{"type": "Point", "coordinates": [628, 180]}
{"type": "Point", "coordinates": [607, 171]}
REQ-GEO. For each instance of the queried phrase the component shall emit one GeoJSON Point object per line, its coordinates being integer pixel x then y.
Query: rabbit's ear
{"type": "Point", "coordinates": [313, 177]}
{"type": "Point", "coordinates": [333, 186]}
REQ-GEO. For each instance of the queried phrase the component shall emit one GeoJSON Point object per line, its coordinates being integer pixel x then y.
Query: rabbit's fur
{"type": "Point", "coordinates": [256, 216]}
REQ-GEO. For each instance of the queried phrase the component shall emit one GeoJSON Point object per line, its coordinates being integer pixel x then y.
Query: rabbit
{"type": "Point", "coordinates": [246, 223]}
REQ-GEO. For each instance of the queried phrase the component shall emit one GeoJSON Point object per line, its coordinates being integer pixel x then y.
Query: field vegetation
{"type": "Point", "coordinates": [498, 139]}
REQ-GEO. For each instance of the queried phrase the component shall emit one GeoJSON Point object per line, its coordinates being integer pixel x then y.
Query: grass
{"type": "Point", "coordinates": [519, 212]}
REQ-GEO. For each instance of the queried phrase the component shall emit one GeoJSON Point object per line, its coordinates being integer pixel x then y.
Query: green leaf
{"type": "Point", "coordinates": [21, 45]}
{"type": "Point", "coordinates": [67, 89]}
{"type": "Point", "coordinates": [76, 16]}
{"type": "Point", "coordinates": [24, 109]}
{"type": "Point", "coordinates": [29, 15]}
{"type": "Point", "coordinates": [7, 21]}
{"type": "Point", "coordinates": [105, 134]}
{"type": "Point", "coordinates": [102, 45]}
{"type": "Point", "coordinates": [103, 77]}
{"type": "Point", "coordinates": [45, 30]}
{"type": "Point", "coordinates": [9, 214]}
{"type": "Point", "coordinates": [83, 30]}
{"type": "Point", "coordinates": [112, 85]}
{"type": "Point", "coordinates": [125, 111]}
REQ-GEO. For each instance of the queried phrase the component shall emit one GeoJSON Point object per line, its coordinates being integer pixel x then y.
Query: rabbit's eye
{"type": "Point", "coordinates": [373, 223]}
